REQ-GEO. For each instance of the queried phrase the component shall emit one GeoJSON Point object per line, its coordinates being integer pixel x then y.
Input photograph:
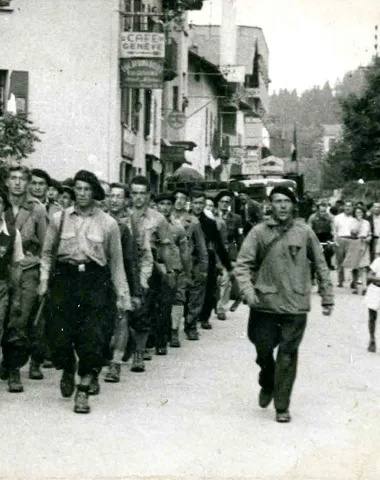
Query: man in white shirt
{"type": "Point", "coordinates": [343, 225]}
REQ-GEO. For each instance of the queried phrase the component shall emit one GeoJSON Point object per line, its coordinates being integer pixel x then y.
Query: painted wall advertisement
{"type": "Point", "coordinates": [142, 73]}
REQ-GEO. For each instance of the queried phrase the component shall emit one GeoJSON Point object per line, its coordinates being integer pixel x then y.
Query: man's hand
{"type": "Point", "coordinates": [250, 299]}
{"type": "Point", "coordinates": [123, 304]}
{"type": "Point", "coordinates": [170, 279]}
{"type": "Point", "coordinates": [136, 303]}
{"type": "Point", "coordinates": [161, 268]}
{"type": "Point", "coordinates": [327, 310]}
{"type": "Point", "coordinates": [42, 288]}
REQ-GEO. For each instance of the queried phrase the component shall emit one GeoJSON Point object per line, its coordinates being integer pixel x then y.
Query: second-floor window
{"type": "Point", "coordinates": [3, 94]}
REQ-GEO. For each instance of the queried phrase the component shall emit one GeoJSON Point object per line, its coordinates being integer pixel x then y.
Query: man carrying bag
{"type": "Point", "coordinates": [273, 273]}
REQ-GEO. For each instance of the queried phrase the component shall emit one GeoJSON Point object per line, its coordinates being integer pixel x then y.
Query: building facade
{"type": "Point", "coordinates": [90, 74]}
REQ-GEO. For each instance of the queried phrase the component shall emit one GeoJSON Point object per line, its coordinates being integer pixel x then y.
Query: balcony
{"type": "Point", "coordinates": [171, 61]}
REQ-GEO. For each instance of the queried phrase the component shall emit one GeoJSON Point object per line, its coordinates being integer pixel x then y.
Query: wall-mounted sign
{"type": "Point", "coordinates": [272, 165]}
{"type": "Point", "coordinates": [233, 73]}
{"type": "Point", "coordinates": [145, 73]}
{"type": "Point", "coordinates": [252, 92]}
{"type": "Point", "coordinates": [177, 120]}
{"type": "Point", "coordinates": [142, 45]}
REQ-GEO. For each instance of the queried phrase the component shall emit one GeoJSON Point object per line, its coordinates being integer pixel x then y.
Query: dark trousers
{"type": "Point", "coordinates": [78, 316]}
{"type": "Point", "coordinates": [209, 303]}
{"type": "Point", "coordinates": [267, 331]}
{"type": "Point", "coordinates": [159, 301]}
{"type": "Point", "coordinates": [21, 339]}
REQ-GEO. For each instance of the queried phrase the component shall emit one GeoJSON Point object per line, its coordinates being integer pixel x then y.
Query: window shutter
{"type": "Point", "coordinates": [19, 86]}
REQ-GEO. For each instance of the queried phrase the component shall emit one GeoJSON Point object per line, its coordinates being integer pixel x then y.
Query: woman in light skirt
{"type": "Point", "coordinates": [358, 254]}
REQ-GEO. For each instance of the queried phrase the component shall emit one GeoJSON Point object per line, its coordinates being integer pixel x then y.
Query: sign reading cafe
{"type": "Point", "coordinates": [142, 45]}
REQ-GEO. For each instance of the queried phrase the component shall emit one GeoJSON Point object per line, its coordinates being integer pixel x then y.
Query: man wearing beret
{"type": "Point", "coordinates": [234, 240]}
{"type": "Point", "coordinates": [89, 266]}
{"type": "Point", "coordinates": [273, 272]}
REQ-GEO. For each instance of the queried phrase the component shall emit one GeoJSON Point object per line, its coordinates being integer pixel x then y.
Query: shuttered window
{"type": "Point", "coordinates": [19, 87]}
{"type": "Point", "coordinates": [3, 92]}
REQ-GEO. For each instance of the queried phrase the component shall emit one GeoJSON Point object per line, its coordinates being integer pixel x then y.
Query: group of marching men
{"type": "Point", "coordinates": [93, 274]}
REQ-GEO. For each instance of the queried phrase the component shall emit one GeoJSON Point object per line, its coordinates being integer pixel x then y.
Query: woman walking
{"type": "Point", "coordinates": [358, 254]}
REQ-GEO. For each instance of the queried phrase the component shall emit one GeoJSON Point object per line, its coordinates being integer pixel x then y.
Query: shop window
{"type": "Point", "coordinates": [130, 107]}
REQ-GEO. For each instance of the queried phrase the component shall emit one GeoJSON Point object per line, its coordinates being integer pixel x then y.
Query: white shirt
{"type": "Point", "coordinates": [343, 224]}
{"type": "Point", "coordinates": [18, 253]}
{"type": "Point", "coordinates": [376, 225]}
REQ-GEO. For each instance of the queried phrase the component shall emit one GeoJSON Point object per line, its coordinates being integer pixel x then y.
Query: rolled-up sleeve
{"type": "Point", "coordinates": [116, 264]}
{"type": "Point", "coordinates": [47, 250]}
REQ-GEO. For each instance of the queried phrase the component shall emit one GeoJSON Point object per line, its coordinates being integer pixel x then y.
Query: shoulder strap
{"type": "Point", "coordinates": [269, 247]}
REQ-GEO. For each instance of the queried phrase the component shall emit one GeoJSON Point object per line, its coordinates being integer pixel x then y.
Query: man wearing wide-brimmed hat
{"type": "Point", "coordinates": [89, 266]}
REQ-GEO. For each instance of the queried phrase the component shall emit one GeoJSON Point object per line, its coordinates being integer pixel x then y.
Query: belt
{"type": "Point", "coordinates": [85, 267]}
{"type": "Point", "coordinates": [347, 237]}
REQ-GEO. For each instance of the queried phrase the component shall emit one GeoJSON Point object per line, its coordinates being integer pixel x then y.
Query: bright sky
{"type": "Point", "coordinates": [309, 41]}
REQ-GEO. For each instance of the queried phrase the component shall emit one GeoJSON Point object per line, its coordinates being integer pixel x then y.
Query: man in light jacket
{"type": "Point", "coordinates": [273, 273]}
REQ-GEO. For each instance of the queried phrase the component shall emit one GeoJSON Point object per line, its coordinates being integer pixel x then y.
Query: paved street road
{"type": "Point", "coordinates": [194, 413]}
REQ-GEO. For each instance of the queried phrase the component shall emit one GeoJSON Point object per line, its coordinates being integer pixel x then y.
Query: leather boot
{"type": "Point", "coordinates": [94, 388]}
{"type": "Point", "coordinates": [67, 384]}
{"type": "Point", "coordinates": [174, 342]}
{"type": "Point", "coordinates": [81, 404]}
{"type": "Point", "coordinates": [35, 371]}
{"type": "Point", "coordinates": [14, 381]}
{"type": "Point", "coordinates": [113, 374]}
{"type": "Point", "coordinates": [138, 362]}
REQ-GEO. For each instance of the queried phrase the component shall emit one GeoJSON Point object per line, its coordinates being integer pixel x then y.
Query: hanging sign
{"type": "Point", "coordinates": [142, 45]}
{"type": "Point", "coordinates": [233, 73]}
{"type": "Point", "coordinates": [145, 73]}
{"type": "Point", "coordinates": [177, 120]}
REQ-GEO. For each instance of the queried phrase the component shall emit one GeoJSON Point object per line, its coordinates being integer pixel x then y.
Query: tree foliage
{"type": "Point", "coordinates": [361, 120]}
{"type": "Point", "coordinates": [17, 136]}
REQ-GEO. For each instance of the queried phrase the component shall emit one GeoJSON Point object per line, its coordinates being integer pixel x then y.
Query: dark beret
{"type": "Point", "coordinates": [91, 178]}
{"type": "Point", "coordinates": [37, 172]}
{"type": "Point", "coordinates": [165, 196]}
{"type": "Point", "coordinates": [284, 191]}
{"type": "Point", "coordinates": [223, 193]}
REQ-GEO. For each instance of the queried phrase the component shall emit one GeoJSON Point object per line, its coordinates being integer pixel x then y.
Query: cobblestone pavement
{"type": "Point", "coordinates": [194, 413]}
